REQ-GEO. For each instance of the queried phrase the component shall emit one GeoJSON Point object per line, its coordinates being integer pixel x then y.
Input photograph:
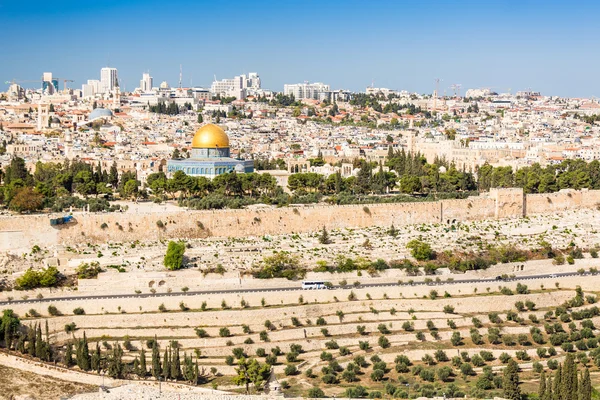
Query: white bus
{"type": "Point", "coordinates": [313, 285]}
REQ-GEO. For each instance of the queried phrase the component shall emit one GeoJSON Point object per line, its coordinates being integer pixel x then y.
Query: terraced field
{"type": "Point", "coordinates": [429, 339]}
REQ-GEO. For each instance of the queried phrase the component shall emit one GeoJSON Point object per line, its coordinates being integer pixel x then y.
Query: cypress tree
{"type": "Point", "coordinates": [95, 363]}
{"type": "Point", "coordinates": [136, 364]}
{"type": "Point", "coordinates": [155, 360]}
{"type": "Point", "coordinates": [585, 386]}
{"type": "Point", "coordinates": [39, 343]}
{"type": "Point", "coordinates": [510, 381]}
{"type": "Point", "coordinates": [8, 336]}
{"type": "Point", "coordinates": [47, 334]}
{"type": "Point", "coordinates": [542, 388]}
{"type": "Point", "coordinates": [176, 365]}
{"type": "Point", "coordinates": [21, 343]}
{"type": "Point", "coordinates": [548, 395]}
{"type": "Point", "coordinates": [166, 365]}
{"type": "Point", "coordinates": [556, 390]}
{"type": "Point", "coordinates": [69, 354]}
{"type": "Point", "coordinates": [142, 367]}
{"type": "Point", "coordinates": [85, 354]}
{"type": "Point", "coordinates": [568, 390]}
{"type": "Point", "coordinates": [31, 341]}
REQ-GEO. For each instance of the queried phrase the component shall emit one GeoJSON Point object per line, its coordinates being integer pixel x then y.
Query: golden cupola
{"type": "Point", "coordinates": [210, 136]}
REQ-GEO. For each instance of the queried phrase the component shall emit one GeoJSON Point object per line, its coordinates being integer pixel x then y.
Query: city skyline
{"type": "Point", "coordinates": [516, 45]}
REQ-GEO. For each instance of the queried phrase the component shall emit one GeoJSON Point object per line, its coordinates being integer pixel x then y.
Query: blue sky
{"type": "Point", "coordinates": [550, 46]}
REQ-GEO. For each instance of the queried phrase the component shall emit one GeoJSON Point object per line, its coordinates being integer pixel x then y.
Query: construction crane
{"type": "Point", "coordinates": [65, 82]}
{"type": "Point", "coordinates": [14, 81]}
{"type": "Point", "coordinates": [456, 88]}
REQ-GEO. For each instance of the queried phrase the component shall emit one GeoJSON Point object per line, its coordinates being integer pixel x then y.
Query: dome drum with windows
{"type": "Point", "coordinates": [210, 155]}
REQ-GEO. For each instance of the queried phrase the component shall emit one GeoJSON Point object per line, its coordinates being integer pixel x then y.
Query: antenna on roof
{"type": "Point", "coordinates": [180, 73]}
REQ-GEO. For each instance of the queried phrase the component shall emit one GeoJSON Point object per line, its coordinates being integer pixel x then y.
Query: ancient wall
{"type": "Point", "coordinates": [561, 201]}
{"type": "Point", "coordinates": [19, 233]}
{"type": "Point", "coordinates": [509, 203]}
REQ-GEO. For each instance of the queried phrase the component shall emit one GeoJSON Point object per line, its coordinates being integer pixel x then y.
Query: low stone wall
{"type": "Point", "coordinates": [18, 233]}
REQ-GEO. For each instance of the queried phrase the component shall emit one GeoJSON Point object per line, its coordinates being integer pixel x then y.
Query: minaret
{"type": "Point", "coordinates": [117, 98]}
{"type": "Point", "coordinates": [68, 144]}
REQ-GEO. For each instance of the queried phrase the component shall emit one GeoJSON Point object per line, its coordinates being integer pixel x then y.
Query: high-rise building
{"type": "Point", "coordinates": [146, 83]}
{"type": "Point", "coordinates": [253, 81]}
{"type": "Point", "coordinates": [108, 79]}
{"type": "Point", "coordinates": [49, 85]}
{"type": "Point", "coordinates": [306, 90]}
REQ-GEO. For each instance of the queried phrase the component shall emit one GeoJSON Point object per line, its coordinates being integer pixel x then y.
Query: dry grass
{"type": "Point", "coordinates": [14, 382]}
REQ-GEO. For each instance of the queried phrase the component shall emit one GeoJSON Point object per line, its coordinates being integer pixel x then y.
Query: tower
{"type": "Point", "coordinates": [117, 98]}
{"type": "Point", "coordinates": [43, 115]}
{"type": "Point", "coordinates": [435, 93]}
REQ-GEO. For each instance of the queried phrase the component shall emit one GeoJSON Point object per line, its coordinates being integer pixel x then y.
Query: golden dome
{"type": "Point", "coordinates": [210, 136]}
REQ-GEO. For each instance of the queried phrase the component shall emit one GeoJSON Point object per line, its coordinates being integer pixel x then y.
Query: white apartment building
{"type": "Point", "coordinates": [237, 87]}
{"type": "Point", "coordinates": [314, 91]}
{"type": "Point", "coordinates": [108, 79]}
{"type": "Point", "coordinates": [91, 88]}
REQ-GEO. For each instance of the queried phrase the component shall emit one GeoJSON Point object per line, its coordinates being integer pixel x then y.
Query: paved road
{"type": "Point", "coordinates": [286, 289]}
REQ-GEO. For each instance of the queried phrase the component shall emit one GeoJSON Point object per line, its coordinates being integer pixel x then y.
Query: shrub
{"type": "Point", "coordinates": [456, 339]}
{"type": "Point", "coordinates": [162, 308]}
{"type": "Point", "coordinates": [78, 311]}
{"type": "Point", "coordinates": [290, 370]}
{"type": "Point", "coordinates": [224, 332]}
{"type": "Point", "coordinates": [448, 309]}
{"type": "Point", "coordinates": [363, 345]}
{"type": "Point", "coordinates": [264, 336]}
{"type": "Point", "coordinates": [315, 392]}
{"type": "Point", "coordinates": [466, 369]}
{"type": "Point", "coordinates": [280, 265]}
{"type": "Point", "coordinates": [477, 360]}
{"type": "Point", "coordinates": [331, 345]}
{"type": "Point", "coordinates": [70, 327]}
{"type": "Point", "coordinates": [201, 332]}
{"type": "Point", "coordinates": [88, 271]}
{"type": "Point", "coordinates": [52, 310]}
{"type": "Point", "coordinates": [344, 351]}
{"type": "Point", "coordinates": [420, 250]}
{"type": "Point", "coordinates": [174, 257]}
{"type": "Point", "coordinates": [383, 342]}
{"type": "Point", "coordinates": [383, 329]}
{"type": "Point", "coordinates": [441, 356]}
{"type": "Point", "coordinates": [31, 279]}
{"type": "Point", "coordinates": [504, 358]}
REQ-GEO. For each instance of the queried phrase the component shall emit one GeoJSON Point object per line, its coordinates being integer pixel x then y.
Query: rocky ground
{"type": "Point", "coordinates": [580, 227]}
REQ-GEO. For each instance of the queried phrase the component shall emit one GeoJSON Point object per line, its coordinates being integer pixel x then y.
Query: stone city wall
{"type": "Point", "coordinates": [18, 233]}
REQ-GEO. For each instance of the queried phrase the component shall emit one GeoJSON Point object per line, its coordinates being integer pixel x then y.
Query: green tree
{"type": "Point", "coordinates": [142, 370]}
{"type": "Point", "coordinates": [156, 367]}
{"type": "Point", "coordinates": [324, 237]}
{"type": "Point", "coordinates": [174, 257]}
{"type": "Point", "coordinates": [250, 371]}
{"type": "Point", "coordinates": [510, 381]}
{"type": "Point", "coordinates": [585, 387]}
{"type": "Point", "coordinates": [26, 199]}
{"type": "Point", "coordinates": [420, 250]}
